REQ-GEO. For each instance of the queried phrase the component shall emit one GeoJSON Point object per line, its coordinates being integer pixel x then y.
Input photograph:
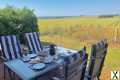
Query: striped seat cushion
{"type": "Point", "coordinates": [33, 41]}
{"type": "Point", "coordinates": [10, 47]}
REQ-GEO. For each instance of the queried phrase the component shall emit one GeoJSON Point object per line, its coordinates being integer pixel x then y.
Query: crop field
{"type": "Point", "coordinates": [76, 32]}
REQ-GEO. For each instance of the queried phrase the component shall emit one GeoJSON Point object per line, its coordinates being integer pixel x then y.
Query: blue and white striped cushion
{"type": "Point", "coordinates": [33, 41]}
{"type": "Point", "coordinates": [10, 47]}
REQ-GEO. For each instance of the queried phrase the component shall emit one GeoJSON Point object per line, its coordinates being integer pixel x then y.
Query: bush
{"type": "Point", "coordinates": [17, 21]}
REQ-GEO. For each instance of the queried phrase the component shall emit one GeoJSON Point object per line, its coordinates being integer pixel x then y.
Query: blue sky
{"type": "Point", "coordinates": [67, 7]}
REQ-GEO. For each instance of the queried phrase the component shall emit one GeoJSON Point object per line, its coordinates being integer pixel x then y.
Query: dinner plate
{"type": "Point", "coordinates": [38, 66]}
{"type": "Point", "coordinates": [31, 55]}
{"type": "Point", "coordinates": [26, 59]}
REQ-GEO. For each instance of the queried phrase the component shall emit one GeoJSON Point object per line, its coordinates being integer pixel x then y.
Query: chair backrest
{"type": "Point", "coordinates": [84, 63]}
{"type": "Point", "coordinates": [73, 64]}
{"type": "Point", "coordinates": [10, 47]}
{"type": "Point", "coordinates": [98, 53]}
{"type": "Point", "coordinates": [33, 41]}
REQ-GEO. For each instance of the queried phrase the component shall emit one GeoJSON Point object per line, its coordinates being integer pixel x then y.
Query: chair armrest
{"type": "Point", "coordinates": [3, 59]}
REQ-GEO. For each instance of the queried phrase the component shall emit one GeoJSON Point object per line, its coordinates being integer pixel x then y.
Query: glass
{"type": "Point", "coordinates": [52, 50]}
{"type": "Point", "coordinates": [25, 54]}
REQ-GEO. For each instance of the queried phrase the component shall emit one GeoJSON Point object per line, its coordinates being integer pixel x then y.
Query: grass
{"type": "Point", "coordinates": [82, 28]}
{"type": "Point", "coordinates": [112, 58]}
{"type": "Point", "coordinates": [77, 32]}
{"type": "Point", "coordinates": [63, 41]}
{"type": "Point", "coordinates": [78, 21]}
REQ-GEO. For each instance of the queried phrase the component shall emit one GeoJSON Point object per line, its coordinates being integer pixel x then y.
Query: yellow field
{"type": "Point", "coordinates": [77, 32]}
{"type": "Point", "coordinates": [79, 21]}
{"type": "Point", "coordinates": [82, 29]}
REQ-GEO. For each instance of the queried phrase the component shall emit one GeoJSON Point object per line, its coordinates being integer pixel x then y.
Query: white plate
{"type": "Point", "coordinates": [31, 55]}
{"type": "Point", "coordinates": [26, 59]}
{"type": "Point", "coordinates": [38, 66]}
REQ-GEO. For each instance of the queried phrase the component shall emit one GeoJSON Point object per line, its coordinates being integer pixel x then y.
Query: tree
{"type": "Point", "coordinates": [17, 20]}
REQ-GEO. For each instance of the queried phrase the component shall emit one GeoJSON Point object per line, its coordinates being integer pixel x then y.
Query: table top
{"type": "Point", "coordinates": [60, 50]}
{"type": "Point", "coordinates": [23, 70]}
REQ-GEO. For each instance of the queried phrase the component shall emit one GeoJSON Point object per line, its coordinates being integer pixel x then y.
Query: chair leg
{"type": "Point", "coordinates": [13, 76]}
{"type": "Point", "coordinates": [10, 74]}
{"type": "Point", "coordinates": [4, 71]}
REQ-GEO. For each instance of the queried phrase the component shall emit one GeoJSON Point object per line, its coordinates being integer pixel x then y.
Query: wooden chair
{"type": "Point", "coordinates": [83, 65]}
{"type": "Point", "coordinates": [98, 54]}
{"type": "Point", "coordinates": [10, 49]}
{"type": "Point", "coordinates": [74, 66]}
{"type": "Point", "coordinates": [33, 41]}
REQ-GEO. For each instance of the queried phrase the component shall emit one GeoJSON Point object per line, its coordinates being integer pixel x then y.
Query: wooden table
{"type": "Point", "coordinates": [25, 72]}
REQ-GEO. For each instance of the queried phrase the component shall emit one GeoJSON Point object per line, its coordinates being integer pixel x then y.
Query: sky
{"type": "Point", "coordinates": [67, 7]}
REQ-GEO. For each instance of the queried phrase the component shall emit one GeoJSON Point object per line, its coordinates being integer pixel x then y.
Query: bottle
{"type": "Point", "coordinates": [52, 50]}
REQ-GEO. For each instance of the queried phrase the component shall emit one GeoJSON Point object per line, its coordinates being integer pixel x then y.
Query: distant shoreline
{"type": "Point", "coordinates": [59, 17]}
